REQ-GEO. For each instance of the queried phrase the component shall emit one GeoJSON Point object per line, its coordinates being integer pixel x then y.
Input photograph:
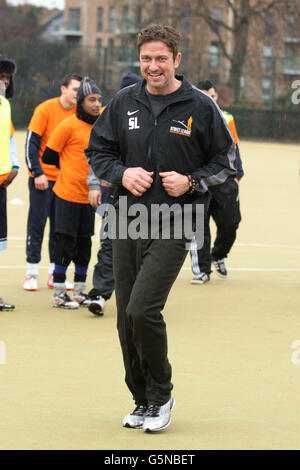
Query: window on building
{"type": "Point", "coordinates": [289, 56]}
{"type": "Point", "coordinates": [185, 47]}
{"type": "Point", "coordinates": [110, 51]}
{"type": "Point", "coordinates": [216, 17]}
{"type": "Point", "coordinates": [290, 26]}
{"type": "Point", "coordinates": [266, 89]}
{"type": "Point", "coordinates": [109, 76]}
{"type": "Point", "coordinates": [214, 54]}
{"type": "Point", "coordinates": [111, 19]}
{"type": "Point", "coordinates": [269, 24]}
{"type": "Point", "coordinates": [267, 61]}
{"type": "Point", "coordinates": [74, 19]}
{"type": "Point", "coordinates": [125, 15]}
{"type": "Point", "coordinates": [100, 19]}
{"type": "Point", "coordinates": [98, 47]}
{"type": "Point", "coordinates": [156, 12]}
{"type": "Point", "coordinates": [138, 16]}
{"type": "Point", "coordinates": [185, 18]}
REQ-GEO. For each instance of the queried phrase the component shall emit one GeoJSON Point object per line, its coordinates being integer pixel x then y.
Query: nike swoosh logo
{"type": "Point", "coordinates": [129, 113]}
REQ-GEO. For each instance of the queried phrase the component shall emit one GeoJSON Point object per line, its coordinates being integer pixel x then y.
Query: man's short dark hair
{"type": "Point", "coordinates": [206, 85]}
{"type": "Point", "coordinates": [159, 32]}
{"type": "Point", "coordinates": [65, 81]}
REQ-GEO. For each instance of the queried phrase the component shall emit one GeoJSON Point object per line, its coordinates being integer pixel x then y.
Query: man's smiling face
{"type": "Point", "coordinates": [158, 67]}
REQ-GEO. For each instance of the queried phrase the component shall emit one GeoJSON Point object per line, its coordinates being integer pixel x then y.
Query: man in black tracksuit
{"type": "Point", "coordinates": [160, 141]}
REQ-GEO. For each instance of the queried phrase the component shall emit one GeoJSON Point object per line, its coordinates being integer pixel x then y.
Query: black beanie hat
{"type": "Point", "coordinates": [8, 66]}
{"type": "Point", "coordinates": [87, 87]}
{"type": "Point", "coordinates": [129, 79]}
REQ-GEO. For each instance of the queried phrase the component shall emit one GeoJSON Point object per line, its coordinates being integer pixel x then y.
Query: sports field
{"type": "Point", "coordinates": [236, 375]}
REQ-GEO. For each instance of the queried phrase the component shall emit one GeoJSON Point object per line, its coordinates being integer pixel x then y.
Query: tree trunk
{"type": "Point", "coordinates": [241, 29]}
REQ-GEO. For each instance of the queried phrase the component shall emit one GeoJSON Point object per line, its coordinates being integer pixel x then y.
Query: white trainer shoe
{"type": "Point", "coordinates": [136, 418]}
{"type": "Point", "coordinates": [31, 282]}
{"type": "Point", "coordinates": [79, 294]}
{"type": "Point", "coordinates": [221, 270]}
{"type": "Point", "coordinates": [158, 417]}
{"type": "Point", "coordinates": [97, 306]}
{"type": "Point", "coordinates": [62, 300]}
{"type": "Point", "coordinates": [201, 278]}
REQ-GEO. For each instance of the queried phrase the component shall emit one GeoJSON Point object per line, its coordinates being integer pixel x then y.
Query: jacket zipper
{"type": "Point", "coordinates": [150, 149]}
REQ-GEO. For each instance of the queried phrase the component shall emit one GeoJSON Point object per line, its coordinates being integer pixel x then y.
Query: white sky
{"type": "Point", "coordinates": [43, 3]}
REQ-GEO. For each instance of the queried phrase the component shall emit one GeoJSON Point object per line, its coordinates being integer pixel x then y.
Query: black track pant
{"type": "Point", "coordinates": [41, 206]}
{"type": "Point", "coordinates": [103, 276]}
{"type": "Point", "coordinates": [145, 271]}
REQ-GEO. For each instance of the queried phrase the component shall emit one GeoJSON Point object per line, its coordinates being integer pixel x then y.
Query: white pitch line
{"type": "Point", "coordinates": [252, 245]}
{"type": "Point", "coordinates": [258, 269]}
{"type": "Point", "coordinates": [266, 245]}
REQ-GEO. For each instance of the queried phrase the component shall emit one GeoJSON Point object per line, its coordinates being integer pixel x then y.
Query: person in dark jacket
{"type": "Point", "coordinates": [224, 208]}
{"type": "Point", "coordinates": [159, 142]}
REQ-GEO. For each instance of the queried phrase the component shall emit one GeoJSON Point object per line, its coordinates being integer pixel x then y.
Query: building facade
{"type": "Point", "coordinates": [106, 32]}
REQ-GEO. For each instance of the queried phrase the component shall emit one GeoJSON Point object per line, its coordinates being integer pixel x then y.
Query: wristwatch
{"type": "Point", "coordinates": [192, 183]}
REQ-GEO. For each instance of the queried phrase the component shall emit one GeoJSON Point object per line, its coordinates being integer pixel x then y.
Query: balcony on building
{"type": "Point", "coordinates": [70, 28]}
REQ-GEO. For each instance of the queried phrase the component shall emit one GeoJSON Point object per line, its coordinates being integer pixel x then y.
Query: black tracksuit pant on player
{"type": "Point", "coordinates": [41, 206]}
{"type": "Point", "coordinates": [145, 271]}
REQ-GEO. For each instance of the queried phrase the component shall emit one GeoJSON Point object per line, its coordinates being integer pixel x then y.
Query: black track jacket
{"type": "Point", "coordinates": [189, 136]}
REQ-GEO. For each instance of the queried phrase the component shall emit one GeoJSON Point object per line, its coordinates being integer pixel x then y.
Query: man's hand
{"type": "Point", "coordinates": [41, 182]}
{"type": "Point", "coordinates": [9, 179]}
{"type": "Point", "coordinates": [137, 180]}
{"type": "Point", "coordinates": [94, 197]}
{"type": "Point", "coordinates": [175, 183]}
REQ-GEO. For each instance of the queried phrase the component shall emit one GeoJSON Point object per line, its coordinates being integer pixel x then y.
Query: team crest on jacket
{"type": "Point", "coordinates": [184, 129]}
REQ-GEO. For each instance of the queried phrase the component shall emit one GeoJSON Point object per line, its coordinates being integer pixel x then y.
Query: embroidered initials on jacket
{"type": "Point", "coordinates": [133, 123]}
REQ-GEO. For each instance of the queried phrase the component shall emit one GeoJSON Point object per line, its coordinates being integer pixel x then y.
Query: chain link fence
{"type": "Point", "coordinates": [264, 109]}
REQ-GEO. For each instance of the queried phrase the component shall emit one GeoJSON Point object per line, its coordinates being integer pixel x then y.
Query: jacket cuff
{"type": "Point", "coordinates": [93, 187]}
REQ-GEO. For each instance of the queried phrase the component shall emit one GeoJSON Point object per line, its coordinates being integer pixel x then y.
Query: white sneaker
{"type": "Point", "coordinates": [136, 418]}
{"type": "Point", "coordinates": [201, 278]}
{"type": "Point", "coordinates": [97, 306]}
{"type": "Point", "coordinates": [158, 417]}
{"type": "Point", "coordinates": [30, 282]}
{"type": "Point", "coordinates": [50, 281]}
{"type": "Point", "coordinates": [221, 270]}
{"type": "Point", "coordinates": [62, 300]}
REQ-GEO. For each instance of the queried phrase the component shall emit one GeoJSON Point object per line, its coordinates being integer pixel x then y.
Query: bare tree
{"type": "Point", "coordinates": [244, 13]}
{"type": "Point", "coordinates": [238, 20]}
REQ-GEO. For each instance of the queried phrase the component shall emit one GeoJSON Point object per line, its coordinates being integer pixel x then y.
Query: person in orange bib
{"type": "Point", "coordinates": [42, 177]}
{"type": "Point", "coordinates": [74, 216]}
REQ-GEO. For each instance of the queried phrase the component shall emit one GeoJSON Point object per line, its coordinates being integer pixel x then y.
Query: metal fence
{"type": "Point", "coordinates": [264, 110]}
